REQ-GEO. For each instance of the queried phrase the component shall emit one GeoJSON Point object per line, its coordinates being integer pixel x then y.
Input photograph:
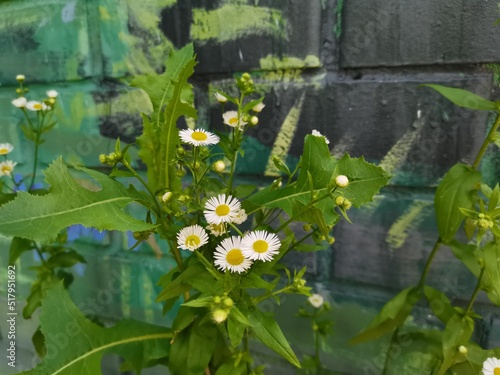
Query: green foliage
{"type": "Point", "coordinates": [41, 218]}
{"type": "Point", "coordinates": [454, 192]}
{"type": "Point", "coordinates": [78, 345]}
{"type": "Point", "coordinates": [466, 99]}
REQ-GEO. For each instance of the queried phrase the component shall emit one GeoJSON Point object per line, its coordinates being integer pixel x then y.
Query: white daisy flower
{"type": "Point", "coordinates": [36, 106]}
{"type": "Point", "coordinates": [217, 229]}
{"type": "Point", "coordinates": [220, 98]}
{"type": "Point", "coordinates": [6, 167]}
{"type": "Point", "coordinates": [491, 366]}
{"type": "Point", "coordinates": [192, 237]}
{"type": "Point", "coordinates": [260, 245]}
{"type": "Point", "coordinates": [198, 137]}
{"type": "Point", "coordinates": [5, 148]}
{"type": "Point", "coordinates": [316, 300]}
{"type": "Point", "coordinates": [221, 209]}
{"type": "Point", "coordinates": [259, 107]}
{"type": "Point", "coordinates": [19, 102]}
{"type": "Point", "coordinates": [241, 217]}
{"type": "Point", "coordinates": [318, 134]}
{"type": "Point", "coordinates": [231, 119]}
{"type": "Point", "coordinates": [52, 94]}
{"type": "Point", "coordinates": [228, 256]}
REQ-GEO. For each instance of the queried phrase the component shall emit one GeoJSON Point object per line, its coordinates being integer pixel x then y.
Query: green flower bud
{"type": "Point", "coordinates": [228, 302]}
{"type": "Point", "coordinates": [306, 227]}
{"type": "Point", "coordinates": [217, 300]}
{"type": "Point", "coordinates": [167, 196]}
{"type": "Point", "coordinates": [219, 315]}
{"type": "Point", "coordinates": [103, 159]}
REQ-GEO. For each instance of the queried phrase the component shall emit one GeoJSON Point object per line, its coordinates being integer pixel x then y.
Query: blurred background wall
{"type": "Point", "coordinates": [348, 68]}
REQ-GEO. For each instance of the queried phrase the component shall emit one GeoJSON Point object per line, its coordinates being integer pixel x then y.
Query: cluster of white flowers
{"type": "Point", "coordinates": [35, 106]}
{"type": "Point", "coordinates": [235, 253]}
{"type": "Point", "coordinates": [6, 166]}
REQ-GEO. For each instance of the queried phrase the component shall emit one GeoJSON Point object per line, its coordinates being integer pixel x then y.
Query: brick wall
{"type": "Point", "coordinates": [348, 68]}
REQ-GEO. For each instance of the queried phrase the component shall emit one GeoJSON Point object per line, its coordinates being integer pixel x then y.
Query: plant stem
{"type": "Point", "coordinates": [427, 267]}
{"type": "Point", "coordinates": [236, 229]}
{"type": "Point", "coordinates": [388, 357]}
{"type": "Point", "coordinates": [318, 361]}
{"type": "Point", "coordinates": [486, 143]}
{"type": "Point", "coordinates": [40, 255]}
{"type": "Point", "coordinates": [476, 291]}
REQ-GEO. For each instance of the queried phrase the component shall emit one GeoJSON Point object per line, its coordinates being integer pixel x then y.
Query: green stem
{"type": "Point", "coordinates": [258, 300]}
{"type": "Point", "coordinates": [388, 357]}
{"type": "Point", "coordinates": [236, 229]}
{"type": "Point", "coordinates": [476, 291]}
{"type": "Point", "coordinates": [37, 249]}
{"type": "Point", "coordinates": [489, 139]}
{"type": "Point", "coordinates": [38, 132]}
{"type": "Point", "coordinates": [318, 361]}
{"type": "Point", "coordinates": [427, 267]}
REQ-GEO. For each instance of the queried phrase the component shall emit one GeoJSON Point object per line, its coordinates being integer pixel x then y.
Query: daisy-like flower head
{"type": "Point", "coordinates": [52, 94]}
{"type": "Point", "coordinates": [36, 106]}
{"type": "Point", "coordinates": [491, 366]}
{"type": "Point", "coordinates": [19, 102]}
{"type": "Point", "coordinates": [318, 134]}
{"type": "Point", "coordinates": [220, 98]}
{"type": "Point", "coordinates": [217, 229]}
{"type": "Point", "coordinates": [260, 245]}
{"type": "Point", "coordinates": [221, 209]}
{"type": "Point", "coordinates": [5, 148]}
{"type": "Point", "coordinates": [192, 237]}
{"type": "Point", "coordinates": [241, 217]}
{"type": "Point", "coordinates": [6, 167]}
{"type": "Point", "coordinates": [229, 256]}
{"type": "Point", "coordinates": [259, 107]}
{"type": "Point", "coordinates": [231, 119]}
{"type": "Point", "coordinates": [198, 137]}
{"type": "Point", "coordinates": [316, 300]}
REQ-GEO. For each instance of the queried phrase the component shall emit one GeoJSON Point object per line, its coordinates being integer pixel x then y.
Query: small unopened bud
{"type": "Point", "coordinates": [180, 172]}
{"type": "Point", "coordinates": [19, 91]}
{"type": "Point", "coordinates": [306, 227]}
{"type": "Point", "coordinates": [220, 98]}
{"type": "Point", "coordinates": [339, 201]}
{"type": "Point", "coordinates": [254, 120]}
{"type": "Point", "coordinates": [196, 165]}
{"type": "Point", "coordinates": [228, 302]}
{"type": "Point", "coordinates": [484, 223]}
{"type": "Point", "coordinates": [316, 300]}
{"type": "Point", "coordinates": [219, 315]}
{"type": "Point", "coordinates": [52, 94]}
{"type": "Point", "coordinates": [217, 300]}
{"type": "Point", "coordinates": [167, 196]}
{"type": "Point", "coordinates": [20, 78]}
{"type": "Point", "coordinates": [331, 240]}
{"type": "Point", "coordinates": [103, 159]}
{"type": "Point", "coordinates": [246, 76]}
{"type": "Point", "coordinates": [219, 166]}
{"type": "Point", "coordinates": [277, 183]}
{"type": "Point", "coordinates": [51, 101]}
{"type": "Point", "coordinates": [341, 181]}
{"type": "Point", "coordinates": [315, 327]}
{"type": "Point", "coordinates": [181, 151]}
{"type": "Point", "coordinates": [259, 107]}
{"type": "Point", "coordinates": [183, 198]}
{"type": "Point", "coordinates": [463, 350]}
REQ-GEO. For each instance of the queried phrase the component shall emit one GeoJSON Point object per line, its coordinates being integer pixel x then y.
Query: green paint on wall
{"type": "Point", "coordinates": [398, 154]}
{"type": "Point", "coordinates": [231, 21]}
{"type": "Point", "coordinates": [495, 69]}
{"type": "Point", "coordinates": [338, 12]}
{"type": "Point", "coordinates": [284, 139]}
{"type": "Point", "coordinates": [401, 228]}
{"type": "Point", "coordinates": [272, 63]}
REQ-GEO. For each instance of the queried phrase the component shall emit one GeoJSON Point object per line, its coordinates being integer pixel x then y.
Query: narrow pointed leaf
{"type": "Point", "coordinates": [466, 99]}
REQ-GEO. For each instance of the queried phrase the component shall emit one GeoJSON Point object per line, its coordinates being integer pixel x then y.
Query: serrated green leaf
{"type": "Point", "coordinates": [41, 218]}
{"type": "Point", "coordinates": [465, 99]}
{"type": "Point", "coordinates": [269, 333]}
{"type": "Point", "coordinates": [454, 192]}
{"type": "Point", "coordinates": [78, 345]}
{"type": "Point", "coordinates": [392, 315]}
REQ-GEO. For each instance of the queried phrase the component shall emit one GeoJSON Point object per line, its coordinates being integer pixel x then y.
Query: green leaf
{"type": "Point", "coordinates": [457, 332]}
{"type": "Point", "coordinates": [235, 330]}
{"type": "Point", "coordinates": [454, 192]}
{"type": "Point", "coordinates": [269, 333]}
{"type": "Point", "coordinates": [65, 259]}
{"type": "Point", "coordinates": [238, 315]}
{"type": "Point", "coordinates": [199, 302]}
{"type": "Point", "coordinates": [17, 247]}
{"type": "Point", "coordinates": [467, 255]}
{"type": "Point", "coordinates": [465, 99]}
{"type": "Point", "coordinates": [392, 315]}
{"type": "Point", "coordinates": [230, 368]}
{"type": "Point", "coordinates": [77, 345]}
{"type": "Point", "coordinates": [202, 342]}
{"type": "Point", "coordinates": [41, 218]}
{"type": "Point", "coordinates": [180, 284]}
{"type": "Point", "coordinates": [492, 271]}
{"type": "Point", "coordinates": [439, 304]}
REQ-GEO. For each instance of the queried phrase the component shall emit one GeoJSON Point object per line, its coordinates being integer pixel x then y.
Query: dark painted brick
{"type": "Point", "coordinates": [231, 37]}
{"type": "Point", "coordinates": [425, 32]}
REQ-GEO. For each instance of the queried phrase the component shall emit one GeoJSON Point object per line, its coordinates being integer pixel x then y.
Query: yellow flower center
{"type": "Point", "coordinates": [235, 257]}
{"type": "Point", "coordinates": [233, 120]}
{"type": "Point", "coordinates": [4, 151]}
{"type": "Point", "coordinates": [199, 136]}
{"type": "Point", "coordinates": [496, 371]}
{"type": "Point", "coordinates": [222, 210]}
{"type": "Point", "coordinates": [193, 240]}
{"type": "Point", "coordinates": [260, 246]}
{"type": "Point", "coordinates": [6, 169]}
{"type": "Point", "coordinates": [37, 106]}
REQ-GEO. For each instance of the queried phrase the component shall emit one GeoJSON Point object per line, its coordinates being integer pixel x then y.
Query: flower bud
{"type": "Point", "coordinates": [220, 98]}
{"type": "Point", "coordinates": [306, 227]}
{"type": "Point", "coordinates": [259, 107]}
{"type": "Point", "coordinates": [246, 76]}
{"type": "Point", "coordinates": [316, 300]}
{"type": "Point", "coordinates": [52, 94]}
{"type": "Point", "coordinates": [219, 315]}
{"type": "Point", "coordinates": [228, 302]}
{"type": "Point", "coordinates": [103, 159]}
{"type": "Point", "coordinates": [20, 78]}
{"type": "Point", "coordinates": [463, 350]}
{"type": "Point", "coordinates": [254, 120]}
{"type": "Point", "coordinates": [217, 300]}
{"type": "Point", "coordinates": [331, 240]}
{"type": "Point", "coordinates": [219, 166]}
{"type": "Point", "coordinates": [339, 201]}
{"type": "Point", "coordinates": [167, 196]}
{"type": "Point", "coordinates": [181, 151]}
{"type": "Point", "coordinates": [19, 91]}
{"type": "Point", "coordinates": [341, 181]}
